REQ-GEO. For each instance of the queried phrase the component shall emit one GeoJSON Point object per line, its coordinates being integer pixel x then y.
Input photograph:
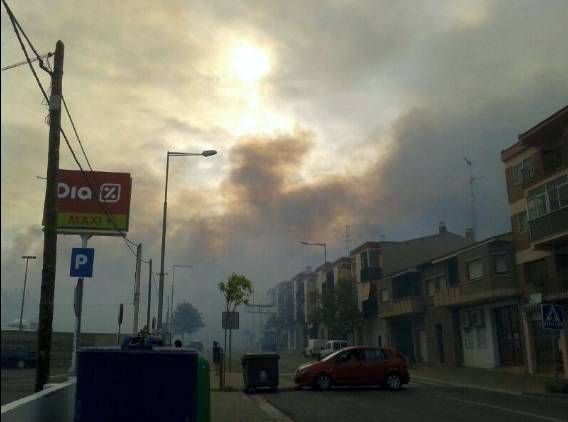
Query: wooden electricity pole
{"type": "Point", "coordinates": [44, 332]}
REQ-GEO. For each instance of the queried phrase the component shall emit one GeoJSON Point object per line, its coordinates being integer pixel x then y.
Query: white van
{"type": "Point", "coordinates": [333, 346]}
{"type": "Point", "coordinates": [313, 350]}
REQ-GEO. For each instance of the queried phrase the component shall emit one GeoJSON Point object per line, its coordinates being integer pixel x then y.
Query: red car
{"type": "Point", "coordinates": [357, 365]}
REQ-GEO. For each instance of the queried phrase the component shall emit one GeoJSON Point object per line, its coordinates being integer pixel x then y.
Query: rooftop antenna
{"type": "Point", "coordinates": [347, 239]}
{"type": "Point", "coordinates": [472, 180]}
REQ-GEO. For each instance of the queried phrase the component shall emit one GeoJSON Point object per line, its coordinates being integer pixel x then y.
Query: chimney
{"type": "Point", "coordinates": [442, 228]}
{"type": "Point", "coordinates": [470, 235]}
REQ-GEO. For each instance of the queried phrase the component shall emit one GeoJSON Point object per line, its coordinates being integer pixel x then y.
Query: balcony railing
{"type": "Point", "coordinates": [371, 274]}
{"type": "Point", "coordinates": [549, 225]}
{"type": "Point", "coordinates": [408, 306]}
{"type": "Point", "coordinates": [462, 295]}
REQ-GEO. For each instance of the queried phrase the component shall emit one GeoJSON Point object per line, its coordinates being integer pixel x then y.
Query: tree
{"type": "Point", "coordinates": [187, 319]}
{"type": "Point", "coordinates": [338, 310]}
{"type": "Point", "coordinates": [349, 317]}
{"type": "Point", "coordinates": [236, 291]}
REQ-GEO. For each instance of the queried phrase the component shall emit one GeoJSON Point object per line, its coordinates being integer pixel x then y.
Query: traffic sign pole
{"type": "Point", "coordinates": [78, 305]}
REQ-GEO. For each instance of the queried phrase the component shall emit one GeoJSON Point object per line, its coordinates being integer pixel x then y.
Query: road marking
{"type": "Point", "coordinates": [268, 408]}
{"type": "Point", "coordinates": [504, 409]}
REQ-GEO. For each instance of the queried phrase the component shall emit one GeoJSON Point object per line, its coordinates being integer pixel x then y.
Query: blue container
{"type": "Point", "coordinates": [132, 384]}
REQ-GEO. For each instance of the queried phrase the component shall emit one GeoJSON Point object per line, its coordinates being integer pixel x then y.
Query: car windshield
{"type": "Point", "coordinates": [285, 180]}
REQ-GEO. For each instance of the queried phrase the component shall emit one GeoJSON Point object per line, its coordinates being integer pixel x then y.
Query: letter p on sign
{"type": "Point", "coordinates": [82, 262]}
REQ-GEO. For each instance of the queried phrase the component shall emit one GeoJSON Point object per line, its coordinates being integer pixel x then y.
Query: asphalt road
{"type": "Point", "coordinates": [417, 402]}
{"type": "Point", "coordinates": [18, 383]}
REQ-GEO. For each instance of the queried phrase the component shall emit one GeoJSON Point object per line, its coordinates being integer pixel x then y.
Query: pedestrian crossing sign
{"type": "Point", "coordinates": [552, 316]}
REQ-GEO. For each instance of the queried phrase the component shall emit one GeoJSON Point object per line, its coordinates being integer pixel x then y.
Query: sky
{"type": "Point", "coordinates": [324, 114]}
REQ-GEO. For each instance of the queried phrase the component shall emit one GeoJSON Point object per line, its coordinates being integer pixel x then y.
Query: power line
{"type": "Point", "coordinates": [17, 28]}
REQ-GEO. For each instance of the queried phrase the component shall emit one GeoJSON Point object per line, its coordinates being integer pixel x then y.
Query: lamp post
{"type": "Point", "coordinates": [172, 297]}
{"type": "Point", "coordinates": [323, 244]}
{"type": "Point", "coordinates": [206, 153]}
{"type": "Point", "coordinates": [27, 258]}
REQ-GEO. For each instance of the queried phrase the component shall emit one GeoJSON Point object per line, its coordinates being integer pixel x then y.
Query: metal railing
{"type": "Point", "coordinates": [549, 224]}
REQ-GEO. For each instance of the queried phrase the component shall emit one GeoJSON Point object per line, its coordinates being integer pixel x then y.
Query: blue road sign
{"type": "Point", "coordinates": [552, 316]}
{"type": "Point", "coordinates": [82, 262]}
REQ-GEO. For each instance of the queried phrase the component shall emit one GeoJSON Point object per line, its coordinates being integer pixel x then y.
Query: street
{"type": "Point", "coordinates": [417, 402]}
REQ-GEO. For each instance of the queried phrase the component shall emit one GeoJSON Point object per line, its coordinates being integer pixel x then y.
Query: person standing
{"type": "Point", "coordinates": [216, 356]}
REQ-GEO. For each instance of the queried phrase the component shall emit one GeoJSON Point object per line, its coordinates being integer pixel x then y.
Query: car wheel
{"type": "Point", "coordinates": [393, 382]}
{"type": "Point", "coordinates": [323, 382]}
{"type": "Point", "coordinates": [21, 364]}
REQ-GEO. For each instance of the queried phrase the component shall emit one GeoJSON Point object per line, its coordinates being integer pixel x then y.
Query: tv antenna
{"type": "Point", "coordinates": [472, 180]}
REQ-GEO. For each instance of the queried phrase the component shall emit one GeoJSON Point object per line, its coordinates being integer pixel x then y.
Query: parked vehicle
{"type": "Point", "coordinates": [314, 348]}
{"type": "Point", "coordinates": [332, 346]}
{"type": "Point", "coordinates": [18, 357]}
{"type": "Point", "coordinates": [357, 365]}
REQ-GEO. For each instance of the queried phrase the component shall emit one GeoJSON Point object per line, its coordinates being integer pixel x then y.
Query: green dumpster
{"type": "Point", "coordinates": [203, 410]}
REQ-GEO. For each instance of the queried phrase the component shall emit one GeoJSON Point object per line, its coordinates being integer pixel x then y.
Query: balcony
{"type": "Point", "coordinates": [549, 227]}
{"type": "Point", "coordinates": [407, 306]}
{"type": "Point", "coordinates": [473, 293]}
{"type": "Point", "coordinates": [554, 288]}
{"type": "Point", "coordinates": [371, 274]}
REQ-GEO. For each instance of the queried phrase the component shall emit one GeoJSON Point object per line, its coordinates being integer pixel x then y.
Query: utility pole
{"type": "Point", "coordinates": [137, 288]}
{"type": "Point", "coordinates": [27, 258]}
{"type": "Point", "coordinates": [149, 294]}
{"type": "Point", "coordinates": [45, 328]}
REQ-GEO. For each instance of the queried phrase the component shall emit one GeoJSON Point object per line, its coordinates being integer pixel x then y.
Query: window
{"type": "Point", "coordinates": [475, 269]}
{"type": "Point", "coordinates": [552, 160]}
{"type": "Point", "coordinates": [364, 260]}
{"type": "Point", "coordinates": [374, 258]}
{"type": "Point", "coordinates": [384, 295]}
{"type": "Point", "coordinates": [521, 222]}
{"type": "Point", "coordinates": [431, 287]}
{"type": "Point", "coordinates": [372, 354]}
{"type": "Point", "coordinates": [436, 283]}
{"type": "Point", "coordinates": [501, 263]}
{"type": "Point", "coordinates": [468, 340]}
{"type": "Point", "coordinates": [523, 171]}
{"type": "Point", "coordinates": [548, 198]}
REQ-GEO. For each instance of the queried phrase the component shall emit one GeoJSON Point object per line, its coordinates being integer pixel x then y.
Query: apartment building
{"type": "Point", "coordinates": [373, 261]}
{"type": "Point", "coordinates": [536, 170]}
{"type": "Point", "coordinates": [457, 309]}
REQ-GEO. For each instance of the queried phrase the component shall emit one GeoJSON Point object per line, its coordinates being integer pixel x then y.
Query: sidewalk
{"type": "Point", "coordinates": [234, 405]}
{"type": "Point", "coordinates": [488, 379]}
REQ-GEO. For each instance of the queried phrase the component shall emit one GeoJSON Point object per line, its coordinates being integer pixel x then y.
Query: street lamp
{"type": "Point", "coordinates": [318, 244]}
{"type": "Point", "coordinates": [172, 297]}
{"type": "Point", "coordinates": [27, 258]}
{"type": "Point", "coordinates": [206, 153]}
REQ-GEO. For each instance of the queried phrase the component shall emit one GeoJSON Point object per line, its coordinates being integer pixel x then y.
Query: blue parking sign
{"type": "Point", "coordinates": [82, 262]}
{"type": "Point", "coordinates": [552, 316]}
